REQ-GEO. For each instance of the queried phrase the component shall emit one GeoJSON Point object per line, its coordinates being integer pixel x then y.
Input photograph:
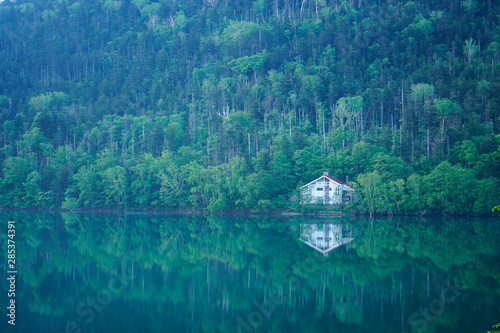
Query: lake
{"type": "Point", "coordinates": [82, 272]}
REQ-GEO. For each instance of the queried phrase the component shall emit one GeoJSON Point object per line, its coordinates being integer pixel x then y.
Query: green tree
{"type": "Point", "coordinates": [449, 189]}
{"type": "Point", "coordinates": [115, 185]}
{"type": "Point", "coordinates": [32, 189]}
{"type": "Point", "coordinates": [145, 184]}
{"type": "Point", "coordinates": [370, 187]}
{"type": "Point", "coordinates": [87, 188]}
{"type": "Point", "coordinates": [15, 171]}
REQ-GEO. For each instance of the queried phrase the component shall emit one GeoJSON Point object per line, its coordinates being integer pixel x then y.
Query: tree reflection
{"type": "Point", "coordinates": [200, 273]}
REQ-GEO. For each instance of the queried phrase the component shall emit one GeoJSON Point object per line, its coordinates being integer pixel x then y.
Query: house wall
{"type": "Point", "coordinates": [322, 238]}
{"type": "Point", "coordinates": [318, 193]}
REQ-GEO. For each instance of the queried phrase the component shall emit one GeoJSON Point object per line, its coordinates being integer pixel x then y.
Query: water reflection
{"type": "Point", "coordinates": [325, 237]}
{"type": "Point", "coordinates": [205, 273]}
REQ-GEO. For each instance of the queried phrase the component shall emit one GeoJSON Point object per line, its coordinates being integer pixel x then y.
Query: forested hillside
{"type": "Point", "coordinates": [234, 104]}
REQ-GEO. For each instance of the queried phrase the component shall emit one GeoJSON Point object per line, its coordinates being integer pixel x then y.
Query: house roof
{"type": "Point", "coordinates": [325, 251]}
{"type": "Point", "coordinates": [338, 181]}
{"type": "Point", "coordinates": [335, 179]}
{"type": "Point", "coordinates": [324, 237]}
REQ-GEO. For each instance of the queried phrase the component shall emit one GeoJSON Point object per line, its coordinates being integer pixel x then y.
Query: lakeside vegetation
{"type": "Point", "coordinates": [225, 105]}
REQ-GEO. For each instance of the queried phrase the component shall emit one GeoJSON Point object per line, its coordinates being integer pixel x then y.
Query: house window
{"type": "Point", "coordinates": [319, 189]}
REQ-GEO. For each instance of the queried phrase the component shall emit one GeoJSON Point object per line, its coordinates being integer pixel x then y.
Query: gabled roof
{"type": "Point", "coordinates": [338, 181]}
{"type": "Point", "coordinates": [335, 179]}
{"type": "Point", "coordinates": [329, 249]}
{"type": "Point", "coordinates": [324, 237]}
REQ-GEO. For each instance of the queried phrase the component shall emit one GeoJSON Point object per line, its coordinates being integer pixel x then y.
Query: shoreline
{"type": "Point", "coordinates": [176, 211]}
{"type": "Point", "coordinates": [284, 213]}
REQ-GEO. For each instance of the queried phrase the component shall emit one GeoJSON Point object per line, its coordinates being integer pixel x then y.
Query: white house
{"type": "Point", "coordinates": [326, 190]}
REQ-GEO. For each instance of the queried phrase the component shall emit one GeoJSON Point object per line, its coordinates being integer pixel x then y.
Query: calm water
{"type": "Point", "coordinates": [176, 273]}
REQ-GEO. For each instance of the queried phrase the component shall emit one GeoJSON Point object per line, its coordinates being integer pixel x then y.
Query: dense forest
{"type": "Point", "coordinates": [233, 105]}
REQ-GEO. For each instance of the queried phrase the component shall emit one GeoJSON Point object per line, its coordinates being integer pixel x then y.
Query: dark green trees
{"type": "Point", "coordinates": [134, 104]}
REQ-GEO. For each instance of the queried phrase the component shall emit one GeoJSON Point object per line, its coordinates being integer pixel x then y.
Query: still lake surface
{"type": "Point", "coordinates": [183, 273]}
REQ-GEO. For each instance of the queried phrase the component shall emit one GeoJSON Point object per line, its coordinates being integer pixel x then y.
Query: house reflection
{"type": "Point", "coordinates": [325, 237]}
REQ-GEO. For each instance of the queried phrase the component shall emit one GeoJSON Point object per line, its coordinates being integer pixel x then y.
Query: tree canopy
{"type": "Point", "coordinates": [233, 105]}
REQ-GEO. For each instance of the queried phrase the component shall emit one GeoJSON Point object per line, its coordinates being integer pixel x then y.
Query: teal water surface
{"type": "Point", "coordinates": [193, 273]}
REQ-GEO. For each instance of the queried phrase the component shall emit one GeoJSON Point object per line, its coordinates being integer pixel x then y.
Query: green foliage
{"type": "Point", "coordinates": [15, 173]}
{"type": "Point", "coordinates": [244, 64]}
{"type": "Point", "coordinates": [495, 326]}
{"type": "Point", "coordinates": [88, 187]}
{"type": "Point", "coordinates": [162, 103]}
{"type": "Point", "coordinates": [447, 189]}
{"type": "Point", "coordinates": [370, 186]}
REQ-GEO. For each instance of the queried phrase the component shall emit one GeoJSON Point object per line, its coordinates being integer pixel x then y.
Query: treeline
{"type": "Point", "coordinates": [113, 167]}
{"type": "Point", "coordinates": [225, 105]}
